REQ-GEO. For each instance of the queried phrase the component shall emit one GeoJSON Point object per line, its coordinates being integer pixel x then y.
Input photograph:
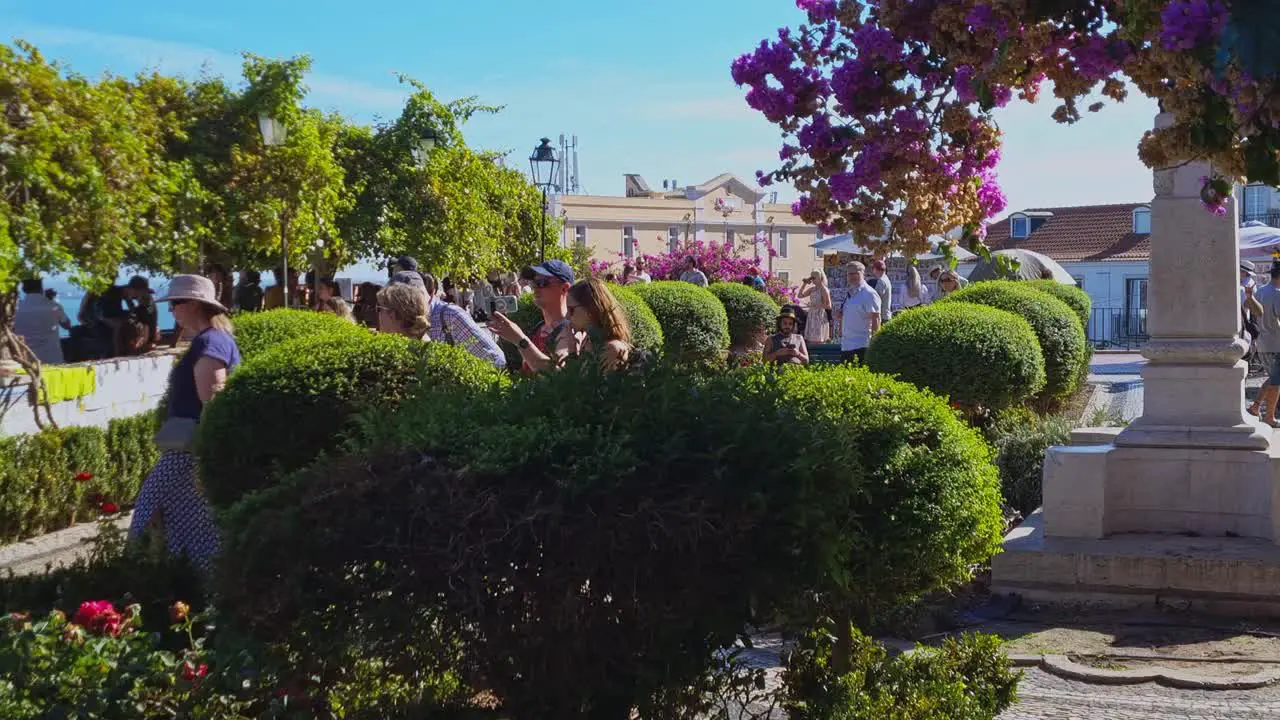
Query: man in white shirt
{"type": "Point", "coordinates": [884, 288]}
{"type": "Point", "coordinates": [37, 321]}
{"type": "Point", "coordinates": [859, 315]}
{"type": "Point", "coordinates": [692, 274]}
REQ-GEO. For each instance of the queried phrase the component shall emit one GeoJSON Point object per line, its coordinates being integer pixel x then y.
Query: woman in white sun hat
{"type": "Point", "coordinates": [171, 499]}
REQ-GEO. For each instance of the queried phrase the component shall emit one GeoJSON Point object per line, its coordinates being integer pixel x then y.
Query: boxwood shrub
{"type": "Point", "coordinates": [55, 478]}
{"type": "Point", "coordinates": [694, 324]}
{"type": "Point", "coordinates": [646, 332]}
{"type": "Point", "coordinates": [1057, 327]}
{"type": "Point", "coordinates": [285, 407]}
{"type": "Point", "coordinates": [749, 311]}
{"type": "Point", "coordinates": [840, 484]}
{"type": "Point", "coordinates": [257, 332]}
{"type": "Point", "coordinates": [978, 356]}
{"type": "Point", "coordinates": [1078, 300]}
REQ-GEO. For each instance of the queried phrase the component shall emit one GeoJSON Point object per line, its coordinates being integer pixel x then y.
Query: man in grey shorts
{"type": "Point", "coordinates": [1267, 318]}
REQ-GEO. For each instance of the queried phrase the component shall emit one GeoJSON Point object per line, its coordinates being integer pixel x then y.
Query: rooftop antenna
{"type": "Point", "coordinates": [577, 187]}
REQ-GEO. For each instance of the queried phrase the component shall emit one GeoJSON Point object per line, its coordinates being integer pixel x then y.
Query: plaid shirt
{"type": "Point", "coordinates": [451, 324]}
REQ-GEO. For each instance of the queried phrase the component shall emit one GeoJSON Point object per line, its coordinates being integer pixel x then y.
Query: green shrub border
{"type": "Point", "coordinates": [39, 489]}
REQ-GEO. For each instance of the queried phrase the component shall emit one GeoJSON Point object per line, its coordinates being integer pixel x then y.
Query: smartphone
{"type": "Point", "coordinates": [505, 304]}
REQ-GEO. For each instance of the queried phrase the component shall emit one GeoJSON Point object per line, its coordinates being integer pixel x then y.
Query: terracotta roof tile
{"type": "Point", "coordinates": [1076, 234]}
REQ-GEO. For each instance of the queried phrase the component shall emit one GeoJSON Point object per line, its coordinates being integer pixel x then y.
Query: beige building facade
{"type": "Point", "coordinates": [725, 208]}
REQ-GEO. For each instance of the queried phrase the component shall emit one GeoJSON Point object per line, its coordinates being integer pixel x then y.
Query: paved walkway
{"type": "Point", "coordinates": [1043, 696]}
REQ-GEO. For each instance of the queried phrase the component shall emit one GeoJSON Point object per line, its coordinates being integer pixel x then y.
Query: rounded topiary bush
{"type": "Point", "coordinates": [1057, 328]}
{"type": "Point", "coordinates": [749, 311]}
{"type": "Point", "coordinates": [1078, 300]}
{"type": "Point", "coordinates": [838, 484]}
{"type": "Point", "coordinates": [694, 323]}
{"type": "Point", "coordinates": [927, 511]}
{"type": "Point", "coordinates": [978, 356]}
{"type": "Point", "coordinates": [646, 332]}
{"type": "Point", "coordinates": [257, 332]}
{"type": "Point", "coordinates": [288, 405]}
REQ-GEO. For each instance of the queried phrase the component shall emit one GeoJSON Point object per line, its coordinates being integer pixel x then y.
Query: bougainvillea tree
{"type": "Point", "coordinates": [886, 105]}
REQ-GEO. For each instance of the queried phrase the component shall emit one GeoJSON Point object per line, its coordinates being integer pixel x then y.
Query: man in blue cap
{"type": "Point", "coordinates": [551, 281]}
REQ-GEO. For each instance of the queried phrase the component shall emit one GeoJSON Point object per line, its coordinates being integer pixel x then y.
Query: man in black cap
{"type": "Point", "coordinates": [551, 281]}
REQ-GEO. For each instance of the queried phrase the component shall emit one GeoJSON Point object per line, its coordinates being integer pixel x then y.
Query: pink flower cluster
{"type": "Point", "coordinates": [717, 260]}
{"type": "Point", "coordinates": [100, 618]}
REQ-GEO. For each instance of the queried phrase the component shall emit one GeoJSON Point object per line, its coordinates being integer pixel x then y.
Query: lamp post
{"type": "Point", "coordinates": [423, 146]}
{"type": "Point", "coordinates": [274, 134]}
{"type": "Point", "coordinates": [542, 164]}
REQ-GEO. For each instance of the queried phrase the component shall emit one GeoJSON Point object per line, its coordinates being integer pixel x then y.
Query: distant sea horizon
{"type": "Point", "coordinates": [70, 295]}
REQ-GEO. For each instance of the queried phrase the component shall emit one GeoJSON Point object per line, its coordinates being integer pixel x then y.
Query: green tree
{"type": "Point", "coordinates": [455, 208]}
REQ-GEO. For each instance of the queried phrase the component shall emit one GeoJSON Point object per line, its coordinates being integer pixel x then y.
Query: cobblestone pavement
{"type": "Point", "coordinates": [1043, 696]}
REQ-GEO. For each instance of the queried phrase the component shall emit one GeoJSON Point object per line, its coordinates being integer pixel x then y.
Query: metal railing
{"type": "Point", "coordinates": [1117, 328]}
{"type": "Point", "coordinates": [1266, 217]}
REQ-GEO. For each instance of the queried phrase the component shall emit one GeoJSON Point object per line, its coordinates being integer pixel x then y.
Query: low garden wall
{"type": "Point", "coordinates": [119, 388]}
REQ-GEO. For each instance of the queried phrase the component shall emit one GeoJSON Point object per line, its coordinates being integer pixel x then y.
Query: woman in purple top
{"type": "Point", "coordinates": [171, 500]}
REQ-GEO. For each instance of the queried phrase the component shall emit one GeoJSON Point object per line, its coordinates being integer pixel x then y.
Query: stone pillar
{"type": "Point", "coordinates": [1193, 384]}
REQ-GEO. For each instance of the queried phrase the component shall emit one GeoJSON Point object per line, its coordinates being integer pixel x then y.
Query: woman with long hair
{"type": "Point", "coordinates": [599, 327]}
{"type": "Point", "coordinates": [818, 328]}
{"type": "Point", "coordinates": [171, 500]}
{"type": "Point", "coordinates": [917, 291]}
{"type": "Point", "coordinates": [948, 282]}
{"type": "Point", "coordinates": [403, 309]}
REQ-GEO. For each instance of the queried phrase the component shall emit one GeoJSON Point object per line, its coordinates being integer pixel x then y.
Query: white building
{"type": "Point", "coordinates": [1105, 247]}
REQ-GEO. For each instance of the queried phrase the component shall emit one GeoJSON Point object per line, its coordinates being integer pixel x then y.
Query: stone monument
{"type": "Point", "coordinates": [1183, 505]}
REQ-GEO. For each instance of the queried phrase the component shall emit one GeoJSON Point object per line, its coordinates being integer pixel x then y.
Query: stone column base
{"type": "Point", "coordinates": [1096, 491]}
{"type": "Point", "coordinates": [1226, 576]}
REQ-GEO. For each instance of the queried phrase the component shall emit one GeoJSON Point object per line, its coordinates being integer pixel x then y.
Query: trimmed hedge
{"type": "Point", "coordinates": [749, 311]}
{"type": "Point", "coordinates": [39, 489]}
{"type": "Point", "coordinates": [282, 409]}
{"type": "Point", "coordinates": [1077, 299]}
{"type": "Point", "coordinates": [978, 356]}
{"type": "Point", "coordinates": [257, 332]}
{"type": "Point", "coordinates": [1057, 327]}
{"type": "Point", "coordinates": [837, 484]}
{"type": "Point", "coordinates": [694, 323]}
{"type": "Point", "coordinates": [646, 332]}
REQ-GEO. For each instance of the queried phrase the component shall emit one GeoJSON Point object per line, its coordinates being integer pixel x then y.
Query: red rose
{"type": "Point", "coordinates": [84, 477]}
{"type": "Point", "coordinates": [99, 617]}
{"type": "Point", "coordinates": [109, 508]}
{"type": "Point", "coordinates": [192, 673]}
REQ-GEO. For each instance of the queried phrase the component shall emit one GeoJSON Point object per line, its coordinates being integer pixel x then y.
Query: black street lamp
{"type": "Point", "coordinates": [274, 134]}
{"type": "Point", "coordinates": [423, 146]}
{"type": "Point", "coordinates": [542, 164]}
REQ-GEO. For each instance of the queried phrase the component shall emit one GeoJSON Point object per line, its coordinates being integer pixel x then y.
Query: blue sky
{"type": "Point", "coordinates": [644, 85]}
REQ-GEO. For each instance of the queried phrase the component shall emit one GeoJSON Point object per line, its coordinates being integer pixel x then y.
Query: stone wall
{"type": "Point", "coordinates": [124, 387]}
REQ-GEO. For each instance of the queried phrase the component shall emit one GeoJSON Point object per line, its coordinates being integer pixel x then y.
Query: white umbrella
{"type": "Point", "coordinates": [1258, 241]}
{"type": "Point", "coordinates": [1031, 266]}
{"type": "Point", "coordinates": [845, 243]}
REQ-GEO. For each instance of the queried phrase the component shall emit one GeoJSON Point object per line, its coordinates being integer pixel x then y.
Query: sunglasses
{"type": "Point", "coordinates": [542, 282]}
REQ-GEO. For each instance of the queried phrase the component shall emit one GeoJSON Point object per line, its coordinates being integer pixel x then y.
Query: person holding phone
{"type": "Point", "coordinates": [787, 346]}
{"type": "Point", "coordinates": [451, 324]}
{"type": "Point", "coordinates": [597, 326]}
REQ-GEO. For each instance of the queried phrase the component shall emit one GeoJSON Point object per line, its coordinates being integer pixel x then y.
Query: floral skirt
{"type": "Point", "coordinates": [171, 500]}
{"type": "Point", "coordinates": [818, 328]}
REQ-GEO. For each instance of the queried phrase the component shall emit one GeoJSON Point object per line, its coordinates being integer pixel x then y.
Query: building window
{"type": "Point", "coordinates": [1019, 226]}
{"type": "Point", "coordinates": [629, 241]}
{"type": "Point", "coordinates": [784, 277]}
{"type": "Point", "coordinates": [1135, 294]}
{"type": "Point", "coordinates": [782, 244]}
{"type": "Point", "coordinates": [673, 238]}
{"type": "Point", "coordinates": [1257, 203]}
{"type": "Point", "coordinates": [817, 253]}
{"type": "Point", "coordinates": [580, 235]}
{"type": "Point", "coordinates": [1142, 221]}
{"type": "Point", "coordinates": [1079, 281]}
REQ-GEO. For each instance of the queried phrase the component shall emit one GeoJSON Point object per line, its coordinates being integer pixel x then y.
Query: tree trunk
{"type": "Point", "coordinates": [14, 352]}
